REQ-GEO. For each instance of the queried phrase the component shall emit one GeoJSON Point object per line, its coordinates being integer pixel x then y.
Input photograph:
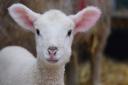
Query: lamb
{"type": "Point", "coordinates": [54, 32]}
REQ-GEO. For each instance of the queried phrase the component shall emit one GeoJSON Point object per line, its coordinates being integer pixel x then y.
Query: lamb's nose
{"type": "Point", "coordinates": [52, 50]}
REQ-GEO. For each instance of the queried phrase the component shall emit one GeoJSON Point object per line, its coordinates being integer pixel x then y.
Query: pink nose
{"type": "Point", "coordinates": [52, 51]}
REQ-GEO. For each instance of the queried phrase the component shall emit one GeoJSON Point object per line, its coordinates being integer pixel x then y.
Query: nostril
{"type": "Point", "coordinates": [52, 50]}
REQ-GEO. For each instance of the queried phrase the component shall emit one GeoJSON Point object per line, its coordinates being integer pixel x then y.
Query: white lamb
{"type": "Point", "coordinates": [54, 32]}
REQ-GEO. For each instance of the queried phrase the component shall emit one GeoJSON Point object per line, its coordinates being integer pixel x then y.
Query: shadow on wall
{"type": "Point", "coordinates": [117, 45]}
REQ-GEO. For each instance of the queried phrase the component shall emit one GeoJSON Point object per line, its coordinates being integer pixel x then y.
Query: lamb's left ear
{"type": "Point", "coordinates": [86, 18]}
{"type": "Point", "coordinates": [23, 15]}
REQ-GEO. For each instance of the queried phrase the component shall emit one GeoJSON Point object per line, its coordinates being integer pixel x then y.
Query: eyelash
{"type": "Point", "coordinates": [69, 32]}
{"type": "Point", "coordinates": [37, 31]}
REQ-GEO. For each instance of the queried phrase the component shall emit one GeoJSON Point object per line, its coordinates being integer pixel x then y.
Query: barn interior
{"type": "Point", "coordinates": [99, 57]}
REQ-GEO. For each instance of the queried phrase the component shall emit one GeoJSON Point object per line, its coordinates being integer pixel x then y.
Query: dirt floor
{"type": "Point", "coordinates": [113, 73]}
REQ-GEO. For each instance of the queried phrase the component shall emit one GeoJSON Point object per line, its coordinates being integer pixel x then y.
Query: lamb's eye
{"type": "Point", "coordinates": [37, 31]}
{"type": "Point", "coordinates": [69, 32]}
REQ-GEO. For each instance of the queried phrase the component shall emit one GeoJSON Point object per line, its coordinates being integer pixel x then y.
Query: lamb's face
{"type": "Point", "coordinates": [54, 30]}
{"type": "Point", "coordinates": [54, 35]}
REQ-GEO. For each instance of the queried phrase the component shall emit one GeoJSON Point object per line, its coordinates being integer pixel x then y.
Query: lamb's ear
{"type": "Point", "coordinates": [23, 16]}
{"type": "Point", "coordinates": [86, 18]}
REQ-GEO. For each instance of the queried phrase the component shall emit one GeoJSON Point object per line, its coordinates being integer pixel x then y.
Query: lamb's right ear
{"type": "Point", "coordinates": [23, 16]}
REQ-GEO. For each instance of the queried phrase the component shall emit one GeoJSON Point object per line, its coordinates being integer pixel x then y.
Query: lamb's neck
{"type": "Point", "coordinates": [51, 76]}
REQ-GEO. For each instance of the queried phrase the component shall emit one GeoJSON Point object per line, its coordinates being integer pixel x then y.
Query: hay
{"type": "Point", "coordinates": [113, 73]}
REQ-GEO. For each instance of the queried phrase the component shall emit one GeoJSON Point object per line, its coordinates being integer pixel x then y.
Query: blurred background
{"type": "Point", "coordinates": [99, 57]}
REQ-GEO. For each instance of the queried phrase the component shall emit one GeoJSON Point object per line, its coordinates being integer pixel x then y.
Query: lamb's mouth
{"type": "Point", "coordinates": [52, 60]}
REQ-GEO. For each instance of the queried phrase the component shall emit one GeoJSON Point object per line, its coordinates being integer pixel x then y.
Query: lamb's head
{"type": "Point", "coordinates": [54, 31]}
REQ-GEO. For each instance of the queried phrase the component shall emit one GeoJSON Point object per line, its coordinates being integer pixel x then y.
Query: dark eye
{"type": "Point", "coordinates": [69, 32]}
{"type": "Point", "coordinates": [37, 31]}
